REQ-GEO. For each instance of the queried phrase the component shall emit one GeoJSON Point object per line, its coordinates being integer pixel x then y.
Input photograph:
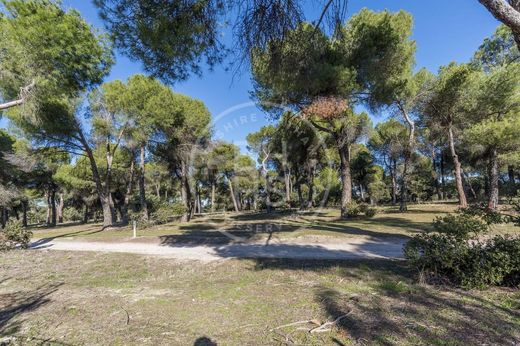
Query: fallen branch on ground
{"type": "Point", "coordinates": [325, 327]}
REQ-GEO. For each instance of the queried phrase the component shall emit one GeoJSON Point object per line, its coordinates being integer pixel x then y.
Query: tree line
{"type": "Point", "coordinates": [81, 149]}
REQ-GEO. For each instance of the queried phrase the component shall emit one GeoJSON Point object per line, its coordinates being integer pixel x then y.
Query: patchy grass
{"type": "Point", "coordinates": [322, 224]}
{"type": "Point", "coordinates": [118, 299]}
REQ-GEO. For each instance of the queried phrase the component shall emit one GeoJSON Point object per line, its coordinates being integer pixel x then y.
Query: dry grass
{"type": "Point", "coordinates": [323, 224]}
{"type": "Point", "coordinates": [118, 299]}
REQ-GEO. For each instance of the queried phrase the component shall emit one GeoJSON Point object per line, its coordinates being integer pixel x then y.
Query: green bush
{"type": "Point", "coordinates": [14, 235]}
{"type": "Point", "coordinates": [460, 226]}
{"type": "Point", "coordinates": [353, 209]}
{"type": "Point", "coordinates": [363, 208]}
{"type": "Point", "coordinates": [178, 209]}
{"type": "Point", "coordinates": [166, 212]}
{"type": "Point", "coordinates": [72, 214]}
{"type": "Point", "coordinates": [509, 250]}
{"type": "Point", "coordinates": [371, 212]}
{"type": "Point", "coordinates": [482, 212]}
{"type": "Point", "coordinates": [454, 252]}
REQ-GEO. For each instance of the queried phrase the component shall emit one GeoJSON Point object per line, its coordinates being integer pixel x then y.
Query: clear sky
{"type": "Point", "coordinates": [445, 31]}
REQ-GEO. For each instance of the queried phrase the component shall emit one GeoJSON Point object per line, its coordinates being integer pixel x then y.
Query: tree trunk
{"type": "Point", "coordinates": [85, 214]}
{"type": "Point", "coordinates": [506, 12]}
{"type": "Point", "coordinates": [404, 185]}
{"type": "Point", "coordinates": [109, 213]}
{"type": "Point", "coordinates": [142, 191]}
{"type": "Point", "coordinates": [346, 179]}
{"type": "Point", "coordinates": [362, 193]}
{"type": "Point", "coordinates": [310, 196]}
{"type": "Point", "coordinates": [299, 192]}
{"type": "Point", "coordinates": [185, 193]}
{"type": "Point", "coordinates": [493, 177]}
{"type": "Point", "coordinates": [407, 158]}
{"type": "Point", "coordinates": [108, 210]}
{"type": "Point", "coordinates": [24, 218]}
{"type": "Point", "coordinates": [436, 174]}
{"type": "Point", "coordinates": [198, 207]}
{"type": "Point", "coordinates": [265, 173]}
{"type": "Point", "coordinates": [51, 207]}
{"type": "Point", "coordinates": [61, 205]}
{"type": "Point", "coordinates": [394, 181]}
{"type": "Point", "coordinates": [511, 174]}
{"type": "Point", "coordinates": [48, 198]}
{"type": "Point", "coordinates": [443, 178]}
{"type": "Point", "coordinates": [463, 203]}
{"type": "Point", "coordinates": [468, 181]}
{"type": "Point", "coordinates": [3, 217]}
{"type": "Point", "coordinates": [232, 193]}
{"type": "Point", "coordinates": [128, 193]}
{"type": "Point", "coordinates": [213, 188]}
{"type": "Point", "coordinates": [287, 178]}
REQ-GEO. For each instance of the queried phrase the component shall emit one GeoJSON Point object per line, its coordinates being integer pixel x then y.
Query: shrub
{"type": "Point", "coordinates": [371, 212]}
{"type": "Point", "coordinates": [482, 212]}
{"type": "Point", "coordinates": [353, 209]}
{"type": "Point", "coordinates": [460, 226]}
{"type": "Point", "coordinates": [363, 208]}
{"type": "Point", "coordinates": [507, 251]}
{"type": "Point", "coordinates": [14, 235]}
{"type": "Point", "coordinates": [454, 252]}
{"type": "Point", "coordinates": [72, 214]}
{"type": "Point", "coordinates": [178, 209]}
{"type": "Point", "coordinates": [165, 212]}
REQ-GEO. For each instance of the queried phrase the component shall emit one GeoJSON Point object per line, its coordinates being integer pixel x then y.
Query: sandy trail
{"type": "Point", "coordinates": [343, 249]}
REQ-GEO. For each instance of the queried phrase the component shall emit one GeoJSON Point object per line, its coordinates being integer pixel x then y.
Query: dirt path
{"type": "Point", "coordinates": [343, 249]}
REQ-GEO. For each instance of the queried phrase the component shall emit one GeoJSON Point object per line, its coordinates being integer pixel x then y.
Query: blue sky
{"type": "Point", "coordinates": [445, 31]}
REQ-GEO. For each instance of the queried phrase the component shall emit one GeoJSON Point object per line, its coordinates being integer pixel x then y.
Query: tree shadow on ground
{"type": "Point", "coordinates": [281, 214]}
{"type": "Point", "coordinates": [227, 248]}
{"type": "Point", "coordinates": [204, 341]}
{"type": "Point", "coordinates": [382, 304]}
{"type": "Point", "coordinates": [418, 313]}
{"type": "Point", "coordinates": [424, 314]}
{"type": "Point", "coordinates": [415, 211]}
{"type": "Point", "coordinates": [41, 243]}
{"type": "Point", "coordinates": [208, 233]}
{"type": "Point", "coordinates": [13, 305]}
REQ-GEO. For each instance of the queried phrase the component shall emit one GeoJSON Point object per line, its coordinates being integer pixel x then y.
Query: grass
{"type": "Point", "coordinates": [63, 298]}
{"type": "Point", "coordinates": [389, 222]}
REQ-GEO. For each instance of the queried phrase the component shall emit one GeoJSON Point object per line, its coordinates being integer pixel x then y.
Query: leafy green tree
{"type": "Point", "coordinates": [262, 145]}
{"type": "Point", "coordinates": [345, 128]}
{"type": "Point", "coordinates": [183, 129]}
{"type": "Point", "coordinates": [388, 142]}
{"type": "Point", "coordinates": [247, 182]}
{"type": "Point", "coordinates": [297, 151]}
{"type": "Point", "coordinates": [446, 106]}
{"type": "Point", "coordinates": [138, 104]}
{"type": "Point", "coordinates": [47, 53]}
{"type": "Point", "coordinates": [223, 159]}
{"type": "Point", "coordinates": [387, 78]}
{"type": "Point", "coordinates": [494, 106]}
{"type": "Point", "coordinates": [371, 60]}
{"type": "Point", "coordinates": [40, 33]}
{"type": "Point", "coordinates": [497, 50]}
{"type": "Point", "coordinates": [496, 119]}
{"type": "Point", "coordinates": [172, 38]}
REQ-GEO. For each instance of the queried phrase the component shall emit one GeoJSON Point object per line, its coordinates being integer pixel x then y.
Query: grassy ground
{"type": "Point", "coordinates": [389, 222]}
{"type": "Point", "coordinates": [66, 298]}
